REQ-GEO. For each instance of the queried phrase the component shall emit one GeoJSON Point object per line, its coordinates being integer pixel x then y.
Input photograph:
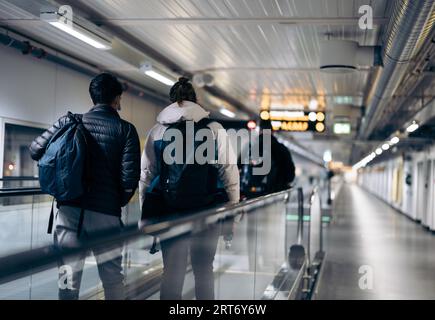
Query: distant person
{"type": "Point", "coordinates": [185, 188]}
{"type": "Point", "coordinates": [113, 157]}
{"type": "Point", "coordinates": [282, 170]}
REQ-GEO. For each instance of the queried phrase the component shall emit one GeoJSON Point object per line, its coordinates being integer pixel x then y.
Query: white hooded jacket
{"type": "Point", "coordinates": [228, 172]}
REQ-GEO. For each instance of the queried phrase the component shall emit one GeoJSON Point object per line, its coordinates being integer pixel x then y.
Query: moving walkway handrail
{"type": "Point", "coordinates": [312, 273]}
{"type": "Point", "coordinates": [22, 264]}
{"type": "Point", "coordinates": [9, 191]}
{"type": "Point", "coordinates": [19, 179]}
{"type": "Point", "coordinates": [315, 193]}
{"type": "Point", "coordinates": [16, 192]}
{"type": "Point", "coordinates": [300, 235]}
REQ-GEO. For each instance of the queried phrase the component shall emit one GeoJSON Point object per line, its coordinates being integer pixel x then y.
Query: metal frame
{"type": "Point", "coordinates": [212, 21]}
{"type": "Point", "coordinates": [3, 122]}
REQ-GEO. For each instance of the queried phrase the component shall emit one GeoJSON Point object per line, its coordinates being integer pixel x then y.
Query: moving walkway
{"type": "Point", "coordinates": [255, 258]}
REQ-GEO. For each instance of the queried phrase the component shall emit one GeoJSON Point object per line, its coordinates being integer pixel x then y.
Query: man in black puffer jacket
{"type": "Point", "coordinates": [115, 162]}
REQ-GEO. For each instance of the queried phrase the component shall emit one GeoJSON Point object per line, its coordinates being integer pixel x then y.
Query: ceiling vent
{"type": "Point", "coordinates": [343, 56]}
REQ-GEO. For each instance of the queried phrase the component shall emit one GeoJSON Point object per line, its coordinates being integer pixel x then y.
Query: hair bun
{"type": "Point", "coordinates": [183, 80]}
{"type": "Point", "coordinates": [182, 91]}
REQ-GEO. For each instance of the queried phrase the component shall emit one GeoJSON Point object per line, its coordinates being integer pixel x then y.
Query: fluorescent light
{"type": "Point", "coordinates": [327, 156]}
{"type": "Point", "coordinates": [81, 35]}
{"type": "Point", "coordinates": [385, 146]}
{"type": "Point", "coordinates": [414, 126]}
{"type": "Point", "coordinates": [227, 113]}
{"type": "Point", "coordinates": [159, 77]}
{"type": "Point", "coordinates": [395, 140]}
{"type": "Point", "coordinates": [343, 100]}
{"type": "Point", "coordinates": [378, 151]}
{"type": "Point", "coordinates": [364, 161]}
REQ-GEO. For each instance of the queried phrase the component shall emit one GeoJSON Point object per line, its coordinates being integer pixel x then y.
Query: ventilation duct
{"type": "Point", "coordinates": [408, 29]}
{"type": "Point", "coordinates": [343, 56]}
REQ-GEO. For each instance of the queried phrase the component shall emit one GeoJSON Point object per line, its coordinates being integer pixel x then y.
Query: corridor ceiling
{"type": "Point", "coordinates": [261, 53]}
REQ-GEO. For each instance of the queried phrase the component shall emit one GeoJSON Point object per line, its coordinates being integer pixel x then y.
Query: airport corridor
{"type": "Point", "coordinates": [217, 150]}
{"type": "Point", "coordinates": [366, 233]}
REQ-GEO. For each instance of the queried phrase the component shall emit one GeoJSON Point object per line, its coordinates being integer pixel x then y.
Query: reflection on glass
{"type": "Point", "coordinates": [17, 161]}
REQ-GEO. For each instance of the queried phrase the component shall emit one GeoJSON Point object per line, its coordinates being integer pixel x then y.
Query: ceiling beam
{"type": "Point", "coordinates": [348, 140]}
{"type": "Point", "coordinates": [139, 22]}
{"type": "Point", "coordinates": [302, 95]}
{"type": "Point", "coordinates": [274, 69]}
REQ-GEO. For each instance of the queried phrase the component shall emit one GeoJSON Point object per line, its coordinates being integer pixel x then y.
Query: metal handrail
{"type": "Point", "coordinates": [300, 235]}
{"type": "Point", "coordinates": [19, 179]}
{"type": "Point", "coordinates": [315, 192]}
{"type": "Point", "coordinates": [16, 192]}
{"type": "Point", "coordinates": [9, 191]}
{"type": "Point", "coordinates": [29, 262]}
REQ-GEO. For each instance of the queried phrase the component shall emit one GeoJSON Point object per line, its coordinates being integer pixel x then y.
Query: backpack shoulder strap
{"type": "Point", "coordinates": [163, 168]}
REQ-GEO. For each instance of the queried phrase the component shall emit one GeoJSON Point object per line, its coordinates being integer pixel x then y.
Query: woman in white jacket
{"type": "Point", "coordinates": [202, 246]}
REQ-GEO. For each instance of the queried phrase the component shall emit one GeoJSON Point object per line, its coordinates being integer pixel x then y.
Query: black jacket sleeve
{"type": "Point", "coordinates": [130, 164]}
{"type": "Point", "coordinates": [38, 146]}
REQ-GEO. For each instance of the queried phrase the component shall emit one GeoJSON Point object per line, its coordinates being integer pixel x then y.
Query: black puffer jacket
{"type": "Point", "coordinates": [115, 159]}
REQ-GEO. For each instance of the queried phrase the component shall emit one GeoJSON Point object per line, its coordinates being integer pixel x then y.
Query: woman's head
{"type": "Point", "coordinates": [182, 91]}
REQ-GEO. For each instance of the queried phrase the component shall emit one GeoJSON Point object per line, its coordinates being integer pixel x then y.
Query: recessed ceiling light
{"type": "Point", "coordinates": [413, 127]}
{"type": "Point", "coordinates": [227, 113]}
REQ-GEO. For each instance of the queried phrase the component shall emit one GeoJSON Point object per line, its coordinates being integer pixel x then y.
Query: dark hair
{"type": "Point", "coordinates": [182, 91]}
{"type": "Point", "coordinates": [104, 88]}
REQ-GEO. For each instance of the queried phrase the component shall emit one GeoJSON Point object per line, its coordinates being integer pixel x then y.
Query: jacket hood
{"type": "Point", "coordinates": [189, 111]}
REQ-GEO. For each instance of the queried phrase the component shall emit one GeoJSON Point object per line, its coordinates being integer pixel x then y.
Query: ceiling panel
{"type": "Point", "coordinates": [256, 63]}
{"type": "Point", "coordinates": [249, 59]}
{"type": "Point", "coordinates": [235, 8]}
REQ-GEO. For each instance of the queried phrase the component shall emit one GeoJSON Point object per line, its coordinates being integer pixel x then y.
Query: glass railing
{"type": "Point", "coordinates": [235, 252]}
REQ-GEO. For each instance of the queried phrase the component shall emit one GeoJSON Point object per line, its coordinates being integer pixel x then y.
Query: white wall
{"type": "Point", "coordinates": [418, 198]}
{"type": "Point", "coordinates": [40, 92]}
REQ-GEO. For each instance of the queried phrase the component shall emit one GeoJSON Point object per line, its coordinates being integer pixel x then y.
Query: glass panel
{"type": "Point", "coordinates": [138, 263]}
{"type": "Point", "coordinates": [41, 208]}
{"type": "Point", "coordinates": [238, 258]}
{"type": "Point", "coordinates": [15, 225]}
{"type": "Point", "coordinates": [15, 183]}
{"type": "Point", "coordinates": [271, 251]}
{"type": "Point", "coordinates": [24, 227]}
{"type": "Point", "coordinates": [234, 263]}
{"type": "Point", "coordinates": [45, 285]}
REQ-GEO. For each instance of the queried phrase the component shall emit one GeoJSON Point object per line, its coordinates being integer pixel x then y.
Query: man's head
{"type": "Point", "coordinates": [106, 89]}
